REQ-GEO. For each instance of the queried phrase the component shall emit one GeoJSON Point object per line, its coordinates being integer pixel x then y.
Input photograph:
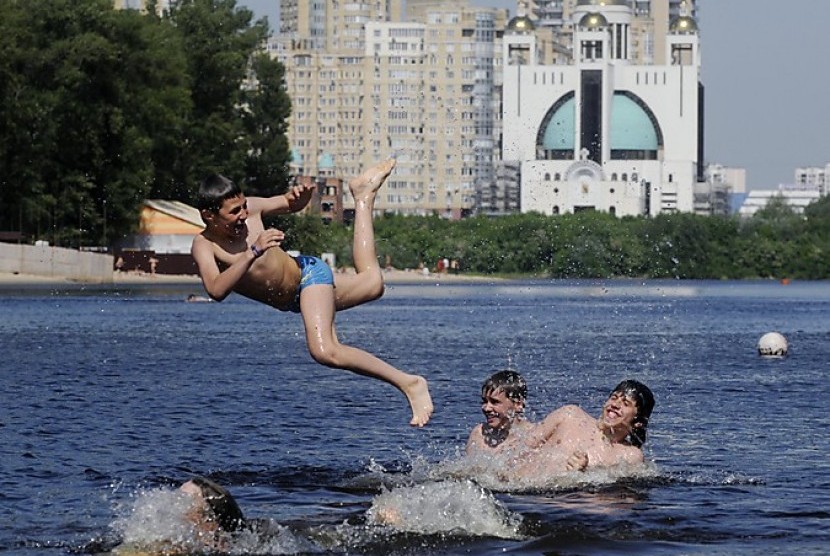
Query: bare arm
{"type": "Point", "coordinates": [219, 284]}
{"type": "Point", "coordinates": [293, 200]}
{"type": "Point", "coordinates": [545, 429]}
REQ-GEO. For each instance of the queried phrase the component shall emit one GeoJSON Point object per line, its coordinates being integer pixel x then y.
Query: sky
{"type": "Point", "coordinates": [766, 73]}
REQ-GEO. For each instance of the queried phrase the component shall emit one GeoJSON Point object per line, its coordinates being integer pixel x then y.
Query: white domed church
{"type": "Point", "coordinates": [604, 133]}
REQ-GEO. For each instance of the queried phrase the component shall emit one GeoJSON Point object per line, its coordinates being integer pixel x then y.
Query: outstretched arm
{"type": "Point", "coordinates": [219, 284]}
{"type": "Point", "coordinates": [547, 427]}
{"type": "Point", "coordinates": [293, 200]}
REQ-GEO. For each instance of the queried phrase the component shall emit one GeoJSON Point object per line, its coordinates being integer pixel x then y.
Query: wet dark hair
{"type": "Point", "coordinates": [226, 511]}
{"type": "Point", "coordinates": [510, 382]}
{"type": "Point", "coordinates": [644, 399]}
{"type": "Point", "coordinates": [215, 190]}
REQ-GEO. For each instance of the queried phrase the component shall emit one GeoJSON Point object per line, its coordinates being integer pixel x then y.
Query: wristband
{"type": "Point", "coordinates": [256, 251]}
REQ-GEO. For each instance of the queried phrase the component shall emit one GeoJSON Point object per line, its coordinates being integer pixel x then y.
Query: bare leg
{"type": "Point", "coordinates": [367, 285]}
{"type": "Point", "coordinates": [317, 309]}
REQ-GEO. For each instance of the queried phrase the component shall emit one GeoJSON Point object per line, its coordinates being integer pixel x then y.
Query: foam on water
{"type": "Point", "coordinates": [156, 523]}
{"type": "Point", "coordinates": [451, 506]}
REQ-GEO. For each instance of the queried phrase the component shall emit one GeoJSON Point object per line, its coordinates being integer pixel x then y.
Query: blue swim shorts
{"type": "Point", "coordinates": [313, 271]}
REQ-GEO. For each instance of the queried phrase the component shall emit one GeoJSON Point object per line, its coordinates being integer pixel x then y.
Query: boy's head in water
{"type": "Point", "coordinates": [629, 405]}
{"type": "Point", "coordinates": [214, 509]}
{"type": "Point", "coordinates": [503, 397]}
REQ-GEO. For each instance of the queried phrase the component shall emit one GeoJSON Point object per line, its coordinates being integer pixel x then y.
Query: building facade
{"type": "Point", "coordinates": [605, 132]}
{"type": "Point", "coordinates": [366, 85]}
{"type": "Point", "coordinates": [813, 176]}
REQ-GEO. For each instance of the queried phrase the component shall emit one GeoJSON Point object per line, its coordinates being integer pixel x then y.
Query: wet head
{"type": "Point", "coordinates": [213, 509]}
{"type": "Point", "coordinates": [503, 398]}
{"type": "Point", "coordinates": [629, 406]}
{"type": "Point", "coordinates": [222, 206]}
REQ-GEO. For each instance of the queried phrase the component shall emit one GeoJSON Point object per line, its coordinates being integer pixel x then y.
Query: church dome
{"type": "Point", "coordinates": [593, 21]}
{"type": "Point", "coordinates": [602, 3]}
{"type": "Point", "coordinates": [683, 25]}
{"type": "Point", "coordinates": [325, 161]}
{"type": "Point", "coordinates": [521, 25]}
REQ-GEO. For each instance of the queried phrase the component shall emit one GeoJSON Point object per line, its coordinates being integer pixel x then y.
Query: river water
{"type": "Point", "coordinates": [112, 397]}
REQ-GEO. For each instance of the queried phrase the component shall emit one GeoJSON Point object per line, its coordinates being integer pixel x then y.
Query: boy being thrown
{"type": "Point", "coordinates": [236, 253]}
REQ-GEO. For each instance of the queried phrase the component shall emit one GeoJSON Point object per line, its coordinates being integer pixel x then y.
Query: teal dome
{"type": "Point", "coordinates": [560, 131]}
{"type": "Point", "coordinates": [325, 162]}
{"type": "Point", "coordinates": [632, 127]}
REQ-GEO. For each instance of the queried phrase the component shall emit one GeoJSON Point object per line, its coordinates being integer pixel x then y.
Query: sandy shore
{"type": "Point", "coordinates": [393, 276]}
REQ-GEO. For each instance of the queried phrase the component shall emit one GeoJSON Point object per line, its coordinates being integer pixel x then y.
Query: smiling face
{"type": "Point", "coordinates": [619, 413]}
{"type": "Point", "coordinates": [230, 219]}
{"type": "Point", "coordinates": [499, 410]}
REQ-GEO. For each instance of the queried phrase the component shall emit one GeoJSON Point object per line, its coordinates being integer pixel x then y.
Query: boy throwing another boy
{"type": "Point", "coordinates": [236, 253]}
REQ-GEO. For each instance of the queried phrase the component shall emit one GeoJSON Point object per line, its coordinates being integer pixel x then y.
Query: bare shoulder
{"type": "Point", "coordinates": [632, 454]}
{"type": "Point", "coordinates": [200, 243]}
{"type": "Point", "coordinates": [475, 434]}
{"type": "Point", "coordinates": [476, 440]}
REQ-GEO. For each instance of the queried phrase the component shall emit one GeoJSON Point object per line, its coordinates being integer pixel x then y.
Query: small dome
{"type": "Point", "coordinates": [325, 162]}
{"type": "Point", "coordinates": [683, 25]}
{"type": "Point", "coordinates": [602, 3]}
{"type": "Point", "coordinates": [520, 25]}
{"type": "Point", "coordinates": [593, 21]}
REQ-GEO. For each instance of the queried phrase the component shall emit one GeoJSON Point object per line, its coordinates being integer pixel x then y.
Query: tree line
{"type": "Point", "coordinates": [101, 109]}
{"type": "Point", "coordinates": [774, 243]}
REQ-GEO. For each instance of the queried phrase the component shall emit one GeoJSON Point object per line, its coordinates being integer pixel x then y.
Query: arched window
{"type": "Point", "coordinates": [557, 176]}
{"type": "Point", "coordinates": [612, 211]}
{"type": "Point", "coordinates": [614, 176]}
{"type": "Point", "coordinates": [556, 209]}
{"type": "Point", "coordinates": [625, 177]}
{"type": "Point", "coordinates": [547, 177]}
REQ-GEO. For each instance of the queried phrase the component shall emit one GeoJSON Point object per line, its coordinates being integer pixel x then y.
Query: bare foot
{"type": "Point", "coordinates": [420, 401]}
{"type": "Point", "coordinates": [364, 186]}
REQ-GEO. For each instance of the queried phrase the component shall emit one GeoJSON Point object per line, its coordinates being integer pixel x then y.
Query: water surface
{"type": "Point", "coordinates": [112, 397]}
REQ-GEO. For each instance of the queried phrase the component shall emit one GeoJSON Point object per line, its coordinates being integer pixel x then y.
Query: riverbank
{"type": "Point", "coordinates": [392, 276]}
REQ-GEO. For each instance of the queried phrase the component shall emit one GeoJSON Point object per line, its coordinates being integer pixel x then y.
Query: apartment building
{"type": "Point", "coordinates": [371, 86]}
{"type": "Point", "coordinates": [161, 5]}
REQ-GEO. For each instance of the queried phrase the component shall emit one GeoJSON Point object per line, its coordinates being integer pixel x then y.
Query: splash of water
{"type": "Point", "coordinates": [157, 523]}
{"type": "Point", "coordinates": [451, 506]}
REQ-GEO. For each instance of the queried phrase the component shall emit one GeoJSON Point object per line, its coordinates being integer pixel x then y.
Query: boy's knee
{"type": "Point", "coordinates": [324, 355]}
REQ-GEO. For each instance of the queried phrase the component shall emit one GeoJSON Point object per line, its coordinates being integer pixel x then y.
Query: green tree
{"type": "Point", "coordinates": [219, 41]}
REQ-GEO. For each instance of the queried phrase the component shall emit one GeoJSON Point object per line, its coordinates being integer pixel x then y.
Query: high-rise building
{"type": "Point", "coordinates": [371, 85]}
{"type": "Point", "coordinates": [161, 5]}
{"type": "Point", "coordinates": [612, 131]}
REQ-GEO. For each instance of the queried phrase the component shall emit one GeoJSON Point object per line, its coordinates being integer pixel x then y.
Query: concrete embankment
{"type": "Point", "coordinates": [55, 263]}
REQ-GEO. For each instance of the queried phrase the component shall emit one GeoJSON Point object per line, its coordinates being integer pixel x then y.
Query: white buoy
{"type": "Point", "coordinates": [772, 344]}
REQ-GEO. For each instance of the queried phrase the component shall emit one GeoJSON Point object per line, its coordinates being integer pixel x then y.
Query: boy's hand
{"type": "Point", "coordinates": [267, 239]}
{"type": "Point", "coordinates": [298, 196]}
{"type": "Point", "coordinates": [577, 462]}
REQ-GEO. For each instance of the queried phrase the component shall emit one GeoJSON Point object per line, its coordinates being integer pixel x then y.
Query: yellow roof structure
{"type": "Point", "coordinates": [160, 217]}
